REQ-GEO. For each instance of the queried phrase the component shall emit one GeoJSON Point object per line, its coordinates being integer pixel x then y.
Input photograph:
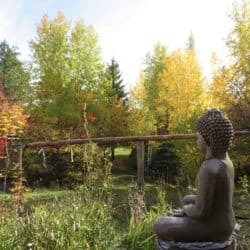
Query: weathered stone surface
{"type": "Point", "coordinates": [207, 216]}
{"type": "Point", "coordinates": [229, 244]}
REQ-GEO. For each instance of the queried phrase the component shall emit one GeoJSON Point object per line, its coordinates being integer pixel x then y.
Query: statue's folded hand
{"type": "Point", "coordinates": [189, 199]}
{"type": "Point", "coordinates": [190, 210]}
{"type": "Point", "coordinates": [177, 213]}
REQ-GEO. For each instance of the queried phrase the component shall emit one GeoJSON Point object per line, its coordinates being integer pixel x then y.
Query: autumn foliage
{"type": "Point", "coordinates": [12, 117]}
{"type": "Point", "coordinates": [69, 89]}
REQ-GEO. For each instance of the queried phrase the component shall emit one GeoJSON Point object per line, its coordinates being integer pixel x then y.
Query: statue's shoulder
{"type": "Point", "coordinates": [213, 166]}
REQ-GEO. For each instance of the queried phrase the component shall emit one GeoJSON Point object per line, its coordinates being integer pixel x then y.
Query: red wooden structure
{"type": "Point", "coordinates": [3, 142]}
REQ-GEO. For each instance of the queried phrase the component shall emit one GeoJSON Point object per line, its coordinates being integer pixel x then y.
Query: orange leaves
{"type": "Point", "coordinates": [91, 118]}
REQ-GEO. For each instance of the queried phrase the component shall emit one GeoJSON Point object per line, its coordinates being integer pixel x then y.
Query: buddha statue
{"type": "Point", "coordinates": [208, 215]}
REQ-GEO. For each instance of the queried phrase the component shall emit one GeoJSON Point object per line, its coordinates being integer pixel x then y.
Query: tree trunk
{"type": "Point", "coordinates": [7, 163]}
{"type": "Point", "coordinates": [112, 152]}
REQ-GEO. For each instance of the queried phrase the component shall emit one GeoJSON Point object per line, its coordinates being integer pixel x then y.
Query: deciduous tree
{"type": "Point", "coordinates": [239, 46]}
{"type": "Point", "coordinates": [12, 117]}
{"type": "Point", "coordinates": [69, 73]}
{"type": "Point", "coordinates": [154, 66]}
{"type": "Point", "coordinates": [220, 93]}
{"type": "Point", "coordinates": [181, 91]}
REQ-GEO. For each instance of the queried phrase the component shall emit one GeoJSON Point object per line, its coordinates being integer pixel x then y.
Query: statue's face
{"type": "Point", "coordinates": [201, 143]}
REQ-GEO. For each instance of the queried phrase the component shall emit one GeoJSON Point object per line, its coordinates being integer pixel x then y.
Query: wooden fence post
{"type": "Point", "coordinates": [140, 165]}
{"type": "Point", "coordinates": [20, 159]}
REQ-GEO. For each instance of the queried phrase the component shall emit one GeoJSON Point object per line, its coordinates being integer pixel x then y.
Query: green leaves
{"type": "Point", "coordinates": [116, 80]}
{"type": "Point", "coordinates": [13, 74]}
{"type": "Point", "coordinates": [154, 66]}
{"type": "Point", "coordinates": [239, 46]}
{"type": "Point", "coordinates": [69, 70]}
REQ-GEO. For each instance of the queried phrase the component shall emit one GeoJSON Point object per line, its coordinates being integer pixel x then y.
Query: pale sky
{"type": "Point", "coordinates": [128, 29]}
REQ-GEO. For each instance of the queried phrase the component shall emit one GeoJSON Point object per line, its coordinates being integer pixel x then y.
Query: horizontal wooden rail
{"type": "Point", "coordinates": [110, 140]}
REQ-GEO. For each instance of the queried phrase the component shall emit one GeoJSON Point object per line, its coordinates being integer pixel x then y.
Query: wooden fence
{"type": "Point", "coordinates": [140, 140]}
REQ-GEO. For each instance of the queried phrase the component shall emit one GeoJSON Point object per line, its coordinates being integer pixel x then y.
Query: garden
{"type": "Point", "coordinates": [69, 179]}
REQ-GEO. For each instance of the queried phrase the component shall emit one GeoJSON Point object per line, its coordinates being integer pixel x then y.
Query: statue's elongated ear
{"type": "Point", "coordinates": [201, 143]}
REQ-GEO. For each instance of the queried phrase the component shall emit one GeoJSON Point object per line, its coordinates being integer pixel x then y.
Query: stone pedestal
{"type": "Point", "coordinates": [230, 244]}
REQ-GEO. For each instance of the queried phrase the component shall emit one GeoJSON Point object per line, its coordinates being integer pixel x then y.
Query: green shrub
{"type": "Point", "coordinates": [164, 162]}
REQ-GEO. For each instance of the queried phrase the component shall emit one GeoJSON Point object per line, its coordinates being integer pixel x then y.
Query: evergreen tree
{"type": "Point", "coordinates": [191, 42]}
{"type": "Point", "coordinates": [14, 77]}
{"type": "Point", "coordinates": [165, 163]}
{"type": "Point", "coordinates": [118, 104]}
{"type": "Point", "coordinates": [117, 82]}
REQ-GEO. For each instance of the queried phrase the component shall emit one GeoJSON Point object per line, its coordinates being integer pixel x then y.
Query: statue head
{"type": "Point", "coordinates": [216, 131]}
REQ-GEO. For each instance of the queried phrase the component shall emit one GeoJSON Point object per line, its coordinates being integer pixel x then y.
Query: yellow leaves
{"type": "Point", "coordinates": [12, 119]}
{"type": "Point", "coordinates": [70, 73]}
{"type": "Point", "coordinates": [220, 94]}
{"type": "Point", "coordinates": [176, 96]}
{"type": "Point", "coordinates": [141, 121]}
{"type": "Point", "coordinates": [138, 93]}
{"type": "Point", "coordinates": [180, 88]}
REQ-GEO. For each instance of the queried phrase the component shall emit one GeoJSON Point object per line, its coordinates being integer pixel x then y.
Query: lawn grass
{"type": "Point", "coordinates": [122, 151]}
{"type": "Point", "coordinates": [39, 195]}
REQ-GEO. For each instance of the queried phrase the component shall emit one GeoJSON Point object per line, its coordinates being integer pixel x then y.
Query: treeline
{"type": "Point", "coordinates": [67, 90]}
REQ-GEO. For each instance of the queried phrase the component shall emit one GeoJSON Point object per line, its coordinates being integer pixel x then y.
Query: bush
{"type": "Point", "coordinates": [51, 167]}
{"type": "Point", "coordinates": [165, 162]}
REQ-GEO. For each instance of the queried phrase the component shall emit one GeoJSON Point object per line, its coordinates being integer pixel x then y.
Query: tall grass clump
{"type": "Point", "coordinates": [7, 226]}
{"type": "Point", "coordinates": [140, 234]}
{"type": "Point", "coordinates": [81, 220]}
